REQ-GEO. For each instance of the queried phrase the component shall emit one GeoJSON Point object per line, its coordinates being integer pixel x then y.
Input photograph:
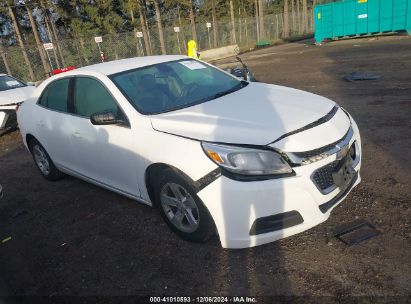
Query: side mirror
{"type": "Point", "coordinates": [105, 118]}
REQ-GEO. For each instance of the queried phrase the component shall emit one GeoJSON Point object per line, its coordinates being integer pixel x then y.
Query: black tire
{"type": "Point", "coordinates": [206, 228]}
{"type": "Point", "coordinates": [52, 174]}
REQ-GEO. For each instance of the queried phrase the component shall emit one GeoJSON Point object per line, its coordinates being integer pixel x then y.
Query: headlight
{"type": "Point", "coordinates": [247, 161]}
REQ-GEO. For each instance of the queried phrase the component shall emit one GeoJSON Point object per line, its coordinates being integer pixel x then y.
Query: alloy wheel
{"type": "Point", "coordinates": [180, 207]}
{"type": "Point", "coordinates": [41, 159]}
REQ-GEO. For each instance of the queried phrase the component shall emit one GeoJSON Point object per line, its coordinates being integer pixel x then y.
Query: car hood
{"type": "Point", "coordinates": [258, 114]}
{"type": "Point", "coordinates": [15, 95]}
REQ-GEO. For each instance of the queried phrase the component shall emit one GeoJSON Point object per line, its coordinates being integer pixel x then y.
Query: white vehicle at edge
{"type": "Point", "coordinates": [253, 162]}
{"type": "Point", "coordinates": [12, 92]}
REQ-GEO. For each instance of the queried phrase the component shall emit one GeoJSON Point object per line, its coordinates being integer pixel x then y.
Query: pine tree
{"type": "Point", "coordinates": [20, 38]}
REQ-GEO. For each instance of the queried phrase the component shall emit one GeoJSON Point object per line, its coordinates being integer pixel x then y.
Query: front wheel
{"type": "Point", "coordinates": [181, 208]}
{"type": "Point", "coordinates": [44, 162]}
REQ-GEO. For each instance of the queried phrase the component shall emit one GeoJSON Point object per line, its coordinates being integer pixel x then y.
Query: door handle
{"type": "Point", "coordinates": [76, 134]}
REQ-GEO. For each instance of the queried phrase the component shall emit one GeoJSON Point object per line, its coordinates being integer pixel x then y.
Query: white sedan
{"type": "Point", "coordinates": [252, 162]}
{"type": "Point", "coordinates": [12, 92]}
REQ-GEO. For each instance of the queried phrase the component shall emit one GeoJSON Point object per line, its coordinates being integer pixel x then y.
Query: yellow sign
{"type": "Point", "coordinates": [362, 1]}
{"type": "Point", "coordinates": [319, 15]}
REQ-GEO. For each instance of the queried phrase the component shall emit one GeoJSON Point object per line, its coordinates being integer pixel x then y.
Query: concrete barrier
{"type": "Point", "coordinates": [220, 53]}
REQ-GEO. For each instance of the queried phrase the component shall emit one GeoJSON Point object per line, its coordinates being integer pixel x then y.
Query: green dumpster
{"type": "Point", "coordinates": [264, 43]}
{"type": "Point", "coordinates": [361, 17]}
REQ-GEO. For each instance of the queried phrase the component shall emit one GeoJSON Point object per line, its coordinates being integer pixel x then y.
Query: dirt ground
{"type": "Point", "coordinates": [72, 238]}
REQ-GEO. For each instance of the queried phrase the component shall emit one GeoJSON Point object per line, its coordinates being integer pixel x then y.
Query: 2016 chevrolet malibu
{"type": "Point", "coordinates": [253, 162]}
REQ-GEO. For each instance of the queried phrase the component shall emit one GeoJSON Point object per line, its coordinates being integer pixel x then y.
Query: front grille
{"type": "Point", "coordinates": [323, 176]}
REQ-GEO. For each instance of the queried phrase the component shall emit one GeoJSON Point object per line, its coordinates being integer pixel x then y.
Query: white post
{"type": "Point", "coordinates": [47, 47]}
{"type": "Point", "coordinates": [177, 30]}
{"type": "Point", "coordinates": [178, 41]}
{"type": "Point", "coordinates": [208, 24]}
{"type": "Point", "coordinates": [99, 40]}
{"type": "Point", "coordinates": [48, 56]}
{"type": "Point", "coordinates": [139, 35]}
{"type": "Point", "coordinates": [141, 45]}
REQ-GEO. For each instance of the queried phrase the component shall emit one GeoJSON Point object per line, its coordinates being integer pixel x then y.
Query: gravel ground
{"type": "Point", "coordinates": [72, 238]}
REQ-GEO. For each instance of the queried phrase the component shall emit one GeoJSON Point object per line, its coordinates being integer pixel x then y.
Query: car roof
{"type": "Point", "coordinates": [117, 66]}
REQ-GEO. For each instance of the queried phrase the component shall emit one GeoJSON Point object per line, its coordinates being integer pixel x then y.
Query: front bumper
{"type": "Point", "coordinates": [235, 205]}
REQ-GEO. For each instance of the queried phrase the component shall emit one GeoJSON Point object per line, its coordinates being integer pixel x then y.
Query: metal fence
{"type": "Point", "coordinates": [84, 51]}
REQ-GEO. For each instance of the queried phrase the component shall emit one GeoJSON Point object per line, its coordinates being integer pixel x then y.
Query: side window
{"type": "Point", "coordinates": [90, 97]}
{"type": "Point", "coordinates": [55, 95]}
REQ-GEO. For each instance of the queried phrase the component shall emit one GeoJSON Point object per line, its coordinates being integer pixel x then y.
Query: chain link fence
{"type": "Point", "coordinates": [85, 51]}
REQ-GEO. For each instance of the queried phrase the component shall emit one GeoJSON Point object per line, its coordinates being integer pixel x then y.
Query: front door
{"type": "Point", "coordinates": [103, 153]}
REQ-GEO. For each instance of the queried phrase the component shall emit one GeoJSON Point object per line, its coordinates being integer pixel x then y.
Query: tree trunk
{"type": "Point", "coordinates": [181, 28]}
{"type": "Point", "coordinates": [261, 18]}
{"type": "Point", "coordinates": [148, 34]}
{"type": "Point", "coordinates": [3, 56]}
{"type": "Point", "coordinates": [160, 27]}
{"type": "Point", "coordinates": [312, 16]}
{"type": "Point", "coordinates": [215, 23]}
{"type": "Point", "coordinates": [79, 52]}
{"type": "Point", "coordinates": [233, 36]}
{"type": "Point", "coordinates": [293, 30]}
{"type": "Point", "coordinates": [144, 28]}
{"type": "Point", "coordinates": [245, 26]}
{"type": "Point", "coordinates": [239, 24]}
{"type": "Point", "coordinates": [138, 52]}
{"type": "Point", "coordinates": [299, 18]}
{"type": "Point", "coordinates": [54, 30]}
{"type": "Point", "coordinates": [193, 22]}
{"type": "Point", "coordinates": [256, 19]}
{"type": "Point", "coordinates": [56, 39]}
{"type": "Point", "coordinates": [21, 43]}
{"type": "Point", "coordinates": [38, 42]}
{"type": "Point", "coordinates": [305, 17]}
{"type": "Point", "coordinates": [83, 49]}
{"type": "Point", "coordinates": [286, 29]}
{"type": "Point", "coordinates": [54, 46]}
{"type": "Point", "coordinates": [111, 42]}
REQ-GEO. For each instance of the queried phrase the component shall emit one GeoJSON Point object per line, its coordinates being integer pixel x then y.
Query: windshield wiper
{"type": "Point", "coordinates": [239, 86]}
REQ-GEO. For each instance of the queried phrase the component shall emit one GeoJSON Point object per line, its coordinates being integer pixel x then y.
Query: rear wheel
{"type": "Point", "coordinates": [44, 162]}
{"type": "Point", "coordinates": [181, 208]}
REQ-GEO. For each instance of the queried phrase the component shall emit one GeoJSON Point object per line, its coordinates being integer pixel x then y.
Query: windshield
{"type": "Point", "coordinates": [8, 83]}
{"type": "Point", "coordinates": [174, 85]}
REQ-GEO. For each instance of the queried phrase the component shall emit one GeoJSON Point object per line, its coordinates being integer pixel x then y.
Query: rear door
{"type": "Point", "coordinates": [52, 121]}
